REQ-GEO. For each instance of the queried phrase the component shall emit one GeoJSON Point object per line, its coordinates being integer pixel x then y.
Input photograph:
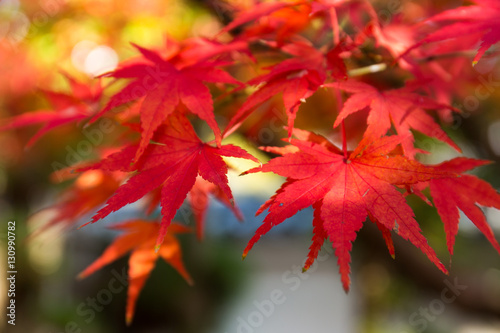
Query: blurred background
{"type": "Point", "coordinates": [265, 293]}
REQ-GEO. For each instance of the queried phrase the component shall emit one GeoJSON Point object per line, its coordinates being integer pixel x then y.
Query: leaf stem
{"type": "Point", "coordinates": [367, 70]}
{"type": "Point", "coordinates": [340, 104]}
{"type": "Point", "coordinates": [344, 140]}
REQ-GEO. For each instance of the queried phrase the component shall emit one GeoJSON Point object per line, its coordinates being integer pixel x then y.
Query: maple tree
{"type": "Point", "coordinates": [295, 50]}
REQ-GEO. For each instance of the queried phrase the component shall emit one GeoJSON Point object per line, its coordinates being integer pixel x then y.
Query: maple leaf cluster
{"type": "Point", "coordinates": [295, 50]}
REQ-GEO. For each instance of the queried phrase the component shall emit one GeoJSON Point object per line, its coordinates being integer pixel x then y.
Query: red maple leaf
{"type": "Point", "coordinates": [198, 200]}
{"type": "Point", "coordinates": [139, 238]}
{"type": "Point", "coordinates": [275, 22]}
{"type": "Point", "coordinates": [81, 103]}
{"type": "Point", "coordinates": [163, 87]}
{"type": "Point", "coordinates": [199, 49]}
{"type": "Point", "coordinates": [173, 162]}
{"type": "Point", "coordinates": [481, 20]}
{"type": "Point", "coordinates": [463, 193]}
{"type": "Point", "coordinates": [344, 192]}
{"type": "Point", "coordinates": [296, 79]}
{"type": "Point", "coordinates": [396, 38]}
{"type": "Point", "coordinates": [403, 107]}
{"type": "Point", "coordinates": [281, 21]}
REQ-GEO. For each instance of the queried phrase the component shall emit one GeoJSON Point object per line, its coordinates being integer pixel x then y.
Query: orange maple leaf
{"type": "Point", "coordinates": [140, 238]}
